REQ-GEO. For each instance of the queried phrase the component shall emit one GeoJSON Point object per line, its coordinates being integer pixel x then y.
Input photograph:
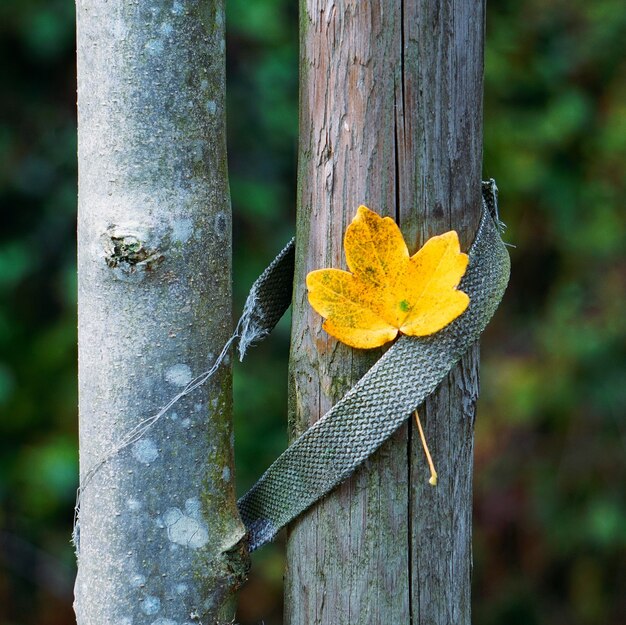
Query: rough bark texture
{"type": "Point", "coordinates": [159, 530]}
{"type": "Point", "coordinates": [391, 116]}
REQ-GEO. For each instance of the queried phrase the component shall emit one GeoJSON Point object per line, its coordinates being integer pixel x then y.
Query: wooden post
{"type": "Point", "coordinates": [391, 116]}
{"type": "Point", "coordinates": [160, 537]}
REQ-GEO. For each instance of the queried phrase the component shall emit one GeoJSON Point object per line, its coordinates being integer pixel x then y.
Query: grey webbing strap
{"type": "Point", "coordinates": [381, 401]}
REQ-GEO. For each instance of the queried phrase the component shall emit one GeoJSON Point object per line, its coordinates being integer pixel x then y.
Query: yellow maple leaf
{"type": "Point", "coordinates": [389, 291]}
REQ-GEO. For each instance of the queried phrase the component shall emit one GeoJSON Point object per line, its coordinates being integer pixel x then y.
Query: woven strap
{"type": "Point", "coordinates": [382, 400]}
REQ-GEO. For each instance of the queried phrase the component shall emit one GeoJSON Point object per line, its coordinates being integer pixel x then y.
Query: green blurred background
{"type": "Point", "coordinates": [550, 482]}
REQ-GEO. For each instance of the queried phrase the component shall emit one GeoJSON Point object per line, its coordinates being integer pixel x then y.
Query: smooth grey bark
{"type": "Point", "coordinates": [160, 537]}
{"type": "Point", "coordinates": [390, 116]}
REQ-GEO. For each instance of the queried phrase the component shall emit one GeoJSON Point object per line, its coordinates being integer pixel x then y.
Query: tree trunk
{"type": "Point", "coordinates": [160, 537]}
{"type": "Point", "coordinates": [391, 116]}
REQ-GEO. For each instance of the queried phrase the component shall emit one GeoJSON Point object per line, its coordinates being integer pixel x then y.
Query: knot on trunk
{"type": "Point", "coordinates": [131, 253]}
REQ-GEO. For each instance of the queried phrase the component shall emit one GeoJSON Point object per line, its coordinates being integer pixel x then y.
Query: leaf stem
{"type": "Point", "coordinates": [433, 474]}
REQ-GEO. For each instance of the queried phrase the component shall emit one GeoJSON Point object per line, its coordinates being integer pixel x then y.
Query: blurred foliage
{"type": "Point", "coordinates": [550, 501]}
{"type": "Point", "coordinates": [38, 456]}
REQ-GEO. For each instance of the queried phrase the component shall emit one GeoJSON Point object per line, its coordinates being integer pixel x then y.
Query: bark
{"type": "Point", "coordinates": [391, 116]}
{"type": "Point", "coordinates": [160, 537]}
